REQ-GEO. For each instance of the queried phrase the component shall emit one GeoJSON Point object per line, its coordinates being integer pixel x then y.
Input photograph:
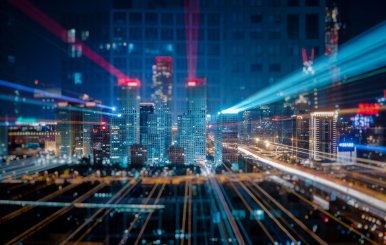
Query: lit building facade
{"type": "Point", "coordinates": [196, 113]}
{"type": "Point", "coordinates": [160, 122]}
{"type": "Point", "coordinates": [124, 127]}
{"type": "Point", "coordinates": [92, 116]}
{"type": "Point", "coordinates": [301, 135]}
{"type": "Point", "coordinates": [31, 139]}
{"type": "Point", "coordinates": [101, 143]}
{"type": "Point", "coordinates": [323, 135]}
{"type": "Point", "coordinates": [226, 139]}
{"type": "Point", "coordinates": [69, 118]}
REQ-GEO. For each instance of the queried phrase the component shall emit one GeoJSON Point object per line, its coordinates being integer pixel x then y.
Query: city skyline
{"type": "Point", "coordinates": [192, 122]}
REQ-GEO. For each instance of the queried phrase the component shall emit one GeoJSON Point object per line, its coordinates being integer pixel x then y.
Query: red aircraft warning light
{"type": "Point", "coordinates": [193, 82]}
{"type": "Point", "coordinates": [164, 59]}
{"type": "Point", "coordinates": [129, 82]}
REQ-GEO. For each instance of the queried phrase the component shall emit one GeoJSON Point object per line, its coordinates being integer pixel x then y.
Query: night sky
{"type": "Point", "coordinates": [39, 53]}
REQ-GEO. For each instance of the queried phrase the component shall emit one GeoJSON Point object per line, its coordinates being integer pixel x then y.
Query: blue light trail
{"type": "Point", "coordinates": [48, 94]}
{"type": "Point", "coordinates": [364, 53]}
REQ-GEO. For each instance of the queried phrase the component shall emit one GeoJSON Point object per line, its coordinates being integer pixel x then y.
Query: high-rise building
{"type": "Point", "coordinates": [226, 139]}
{"type": "Point", "coordinates": [323, 135]}
{"type": "Point", "coordinates": [176, 155]}
{"type": "Point", "coordinates": [301, 135]}
{"type": "Point", "coordinates": [145, 110]}
{"type": "Point", "coordinates": [91, 117]}
{"type": "Point", "coordinates": [138, 154]}
{"type": "Point", "coordinates": [101, 143]}
{"type": "Point", "coordinates": [161, 120]}
{"type": "Point", "coordinates": [196, 112]}
{"type": "Point", "coordinates": [75, 123]}
{"type": "Point", "coordinates": [69, 118]}
{"type": "Point", "coordinates": [124, 128]}
{"type": "Point", "coordinates": [184, 138]}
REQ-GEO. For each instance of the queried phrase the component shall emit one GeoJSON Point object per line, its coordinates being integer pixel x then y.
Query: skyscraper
{"type": "Point", "coordinates": [101, 143]}
{"type": "Point", "coordinates": [124, 127]}
{"type": "Point", "coordinates": [70, 128]}
{"type": "Point", "coordinates": [301, 135]}
{"type": "Point", "coordinates": [323, 135]}
{"type": "Point", "coordinates": [184, 137]}
{"type": "Point", "coordinates": [91, 117]}
{"type": "Point", "coordinates": [226, 139]}
{"type": "Point", "coordinates": [196, 112]}
{"type": "Point", "coordinates": [161, 121]}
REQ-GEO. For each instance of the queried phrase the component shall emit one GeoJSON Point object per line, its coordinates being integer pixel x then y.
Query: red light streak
{"type": "Point", "coordinates": [55, 28]}
{"type": "Point", "coordinates": [191, 31]}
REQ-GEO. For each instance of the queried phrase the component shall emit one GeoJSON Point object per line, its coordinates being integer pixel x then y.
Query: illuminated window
{"type": "Point", "coordinates": [78, 78]}
{"type": "Point", "coordinates": [71, 35]}
{"type": "Point", "coordinates": [85, 35]}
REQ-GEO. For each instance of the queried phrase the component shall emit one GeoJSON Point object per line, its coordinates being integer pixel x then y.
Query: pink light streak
{"type": "Point", "coordinates": [192, 7]}
{"type": "Point", "coordinates": [55, 28]}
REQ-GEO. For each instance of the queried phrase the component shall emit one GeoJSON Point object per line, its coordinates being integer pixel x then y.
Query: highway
{"type": "Point", "coordinates": [365, 195]}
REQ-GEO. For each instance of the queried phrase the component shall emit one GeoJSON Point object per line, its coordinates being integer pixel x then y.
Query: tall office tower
{"type": "Point", "coordinates": [69, 118]}
{"type": "Point", "coordinates": [101, 143]}
{"type": "Point", "coordinates": [176, 155]}
{"type": "Point", "coordinates": [138, 154]}
{"type": "Point", "coordinates": [145, 110]}
{"type": "Point", "coordinates": [229, 125]}
{"type": "Point", "coordinates": [226, 139]}
{"type": "Point", "coordinates": [323, 135]}
{"type": "Point", "coordinates": [124, 128]}
{"type": "Point", "coordinates": [248, 124]}
{"type": "Point", "coordinates": [91, 117]}
{"type": "Point", "coordinates": [196, 111]}
{"type": "Point", "coordinates": [184, 138]}
{"type": "Point", "coordinates": [218, 140]}
{"type": "Point", "coordinates": [301, 135]}
{"type": "Point", "coordinates": [162, 98]}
